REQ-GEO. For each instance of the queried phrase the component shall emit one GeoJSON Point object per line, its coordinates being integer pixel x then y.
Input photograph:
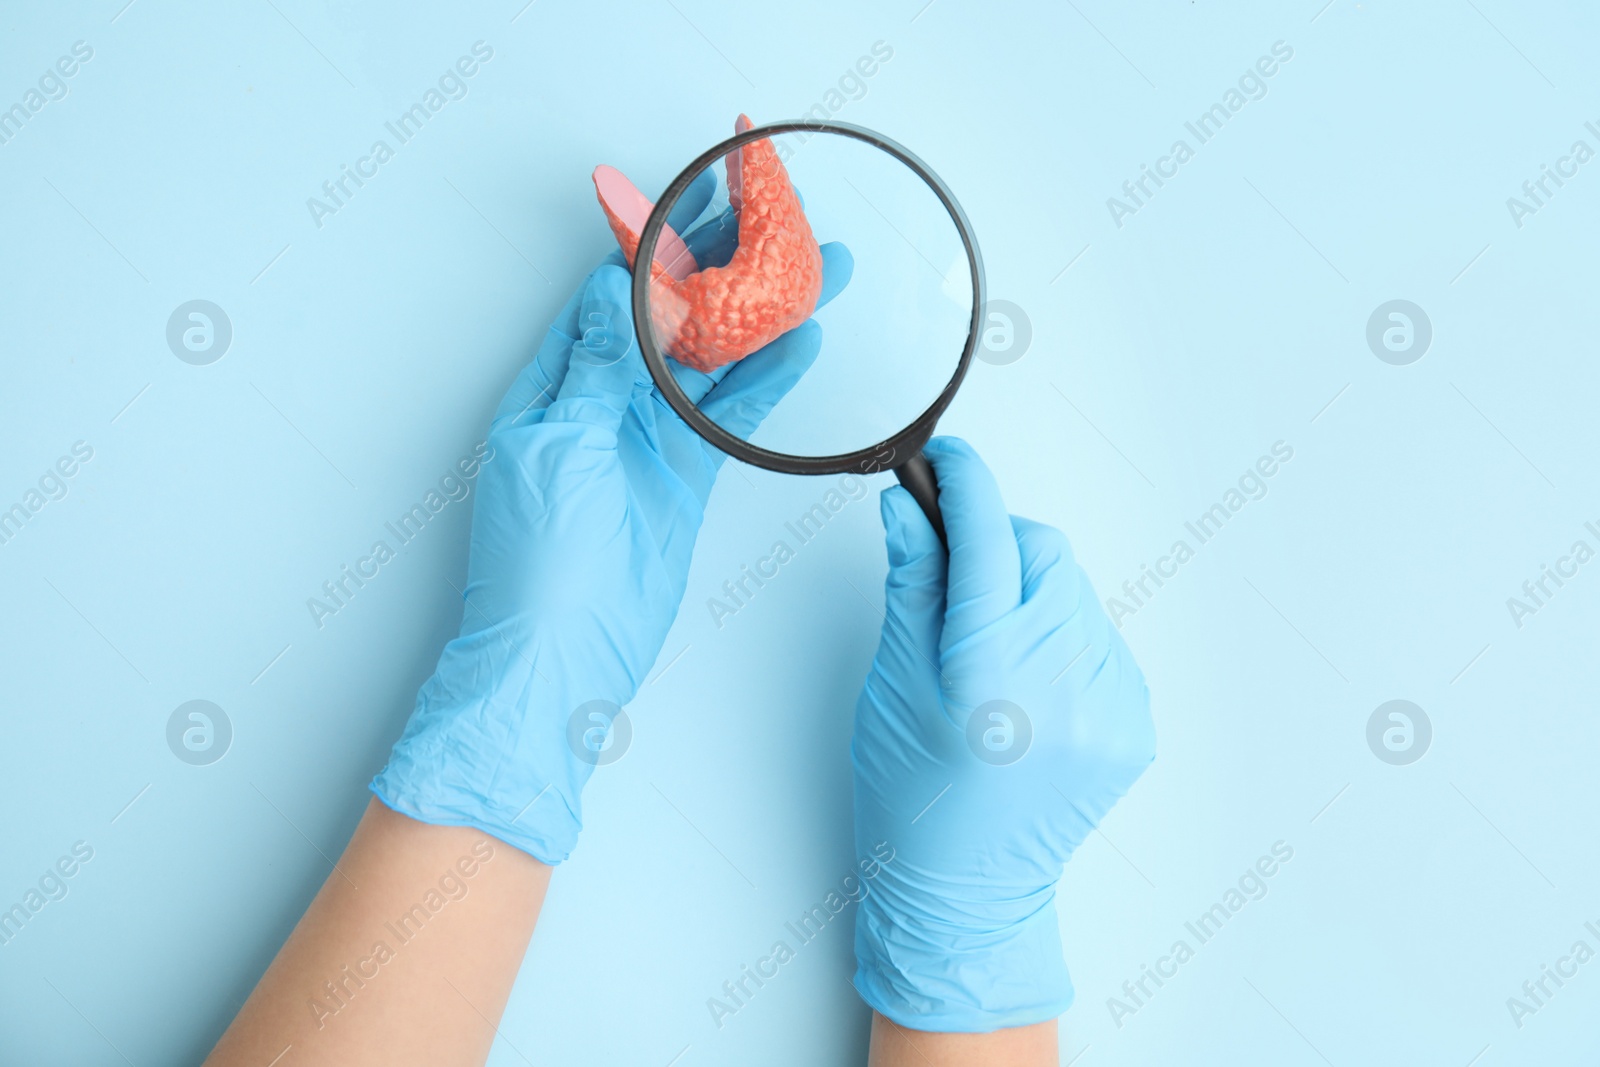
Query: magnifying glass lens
{"type": "Point", "coordinates": [734, 299]}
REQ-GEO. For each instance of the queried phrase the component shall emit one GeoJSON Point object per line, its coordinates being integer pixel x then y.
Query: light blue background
{"type": "Point", "coordinates": [1228, 314]}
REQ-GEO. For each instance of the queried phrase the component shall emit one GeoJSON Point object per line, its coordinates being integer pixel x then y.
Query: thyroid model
{"type": "Point", "coordinates": [707, 318]}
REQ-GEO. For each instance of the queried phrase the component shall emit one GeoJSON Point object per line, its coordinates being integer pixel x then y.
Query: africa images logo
{"type": "Point", "coordinates": [199, 332]}
{"type": "Point", "coordinates": [199, 733]}
{"type": "Point", "coordinates": [1399, 732]}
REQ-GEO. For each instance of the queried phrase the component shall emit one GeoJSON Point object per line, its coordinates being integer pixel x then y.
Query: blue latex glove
{"type": "Point", "coordinates": [959, 932]}
{"type": "Point", "coordinates": [585, 519]}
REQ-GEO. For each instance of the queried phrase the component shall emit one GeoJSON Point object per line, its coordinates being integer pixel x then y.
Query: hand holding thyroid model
{"type": "Point", "coordinates": [708, 316]}
{"type": "Point", "coordinates": [588, 505]}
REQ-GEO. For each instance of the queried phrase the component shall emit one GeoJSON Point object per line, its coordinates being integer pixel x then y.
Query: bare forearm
{"type": "Point", "coordinates": [894, 1045]}
{"type": "Point", "coordinates": [406, 956]}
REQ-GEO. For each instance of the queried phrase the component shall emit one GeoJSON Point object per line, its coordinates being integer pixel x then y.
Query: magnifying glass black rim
{"type": "Point", "coordinates": [886, 454]}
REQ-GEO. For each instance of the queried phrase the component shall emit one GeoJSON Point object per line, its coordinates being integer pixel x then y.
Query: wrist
{"type": "Point", "coordinates": [893, 1045]}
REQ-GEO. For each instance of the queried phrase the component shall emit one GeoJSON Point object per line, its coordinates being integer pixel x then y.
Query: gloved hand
{"type": "Point", "coordinates": [586, 516]}
{"type": "Point", "coordinates": [1002, 718]}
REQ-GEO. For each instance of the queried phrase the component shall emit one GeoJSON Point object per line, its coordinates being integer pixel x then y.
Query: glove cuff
{"type": "Point", "coordinates": [485, 757]}
{"type": "Point", "coordinates": [925, 974]}
{"type": "Point", "coordinates": [549, 849]}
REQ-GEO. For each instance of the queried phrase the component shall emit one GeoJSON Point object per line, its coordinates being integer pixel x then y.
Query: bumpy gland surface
{"type": "Point", "coordinates": [707, 318]}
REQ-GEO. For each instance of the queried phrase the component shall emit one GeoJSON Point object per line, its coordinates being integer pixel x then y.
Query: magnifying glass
{"type": "Point", "coordinates": [896, 342]}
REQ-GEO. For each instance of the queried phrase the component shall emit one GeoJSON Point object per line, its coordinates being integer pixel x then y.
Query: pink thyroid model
{"type": "Point", "coordinates": [711, 317]}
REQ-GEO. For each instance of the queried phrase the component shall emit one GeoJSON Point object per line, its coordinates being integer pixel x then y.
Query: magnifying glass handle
{"type": "Point", "coordinates": [916, 474]}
